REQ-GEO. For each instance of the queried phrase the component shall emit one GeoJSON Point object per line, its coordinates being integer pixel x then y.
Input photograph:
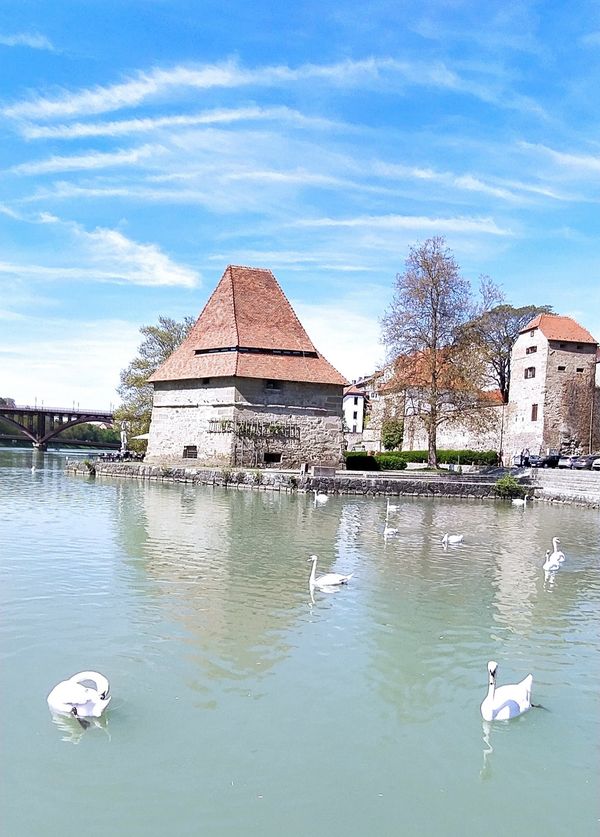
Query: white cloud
{"type": "Point", "coordinates": [106, 255]}
{"type": "Point", "coordinates": [33, 40]}
{"type": "Point", "coordinates": [410, 222]}
{"type": "Point", "coordinates": [125, 127]}
{"type": "Point", "coordinates": [386, 73]}
{"type": "Point", "coordinates": [92, 160]}
{"type": "Point", "coordinates": [353, 346]}
{"type": "Point", "coordinates": [583, 162]}
{"type": "Point", "coordinates": [69, 361]}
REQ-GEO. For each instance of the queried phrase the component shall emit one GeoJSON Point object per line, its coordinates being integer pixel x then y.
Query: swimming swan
{"type": "Point", "coordinates": [452, 539]}
{"type": "Point", "coordinates": [507, 701]}
{"type": "Point", "coordinates": [85, 695]}
{"type": "Point", "coordinates": [520, 501]}
{"type": "Point", "coordinates": [552, 561]}
{"type": "Point", "coordinates": [327, 580]}
{"type": "Point", "coordinates": [320, 498]}
{"type": "Point", "coordinates": [391, 507]}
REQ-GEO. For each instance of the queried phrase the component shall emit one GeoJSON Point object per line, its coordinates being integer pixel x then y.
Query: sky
{"type": "Point", "coordinates": [147, 144]}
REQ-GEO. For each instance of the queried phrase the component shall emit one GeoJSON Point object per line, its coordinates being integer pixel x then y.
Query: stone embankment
{"type": "Point", "coordinates": [559, 485]}
{"type": "Point", "coordinates": [416, 484]}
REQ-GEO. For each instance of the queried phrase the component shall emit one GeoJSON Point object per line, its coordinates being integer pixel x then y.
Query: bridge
{"type": "Point", "coordinates": [41, 424]}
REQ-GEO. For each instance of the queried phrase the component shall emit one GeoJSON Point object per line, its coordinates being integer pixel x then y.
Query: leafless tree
{"type": "Point", "coordinates": [439, 370]}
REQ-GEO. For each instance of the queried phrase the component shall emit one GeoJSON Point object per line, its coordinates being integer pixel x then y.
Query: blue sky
{"type": "Point", "coordinates": [146, 145]}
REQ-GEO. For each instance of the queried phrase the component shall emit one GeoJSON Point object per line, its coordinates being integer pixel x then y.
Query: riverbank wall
{"type": "Point", "coordinates": [415, 484]}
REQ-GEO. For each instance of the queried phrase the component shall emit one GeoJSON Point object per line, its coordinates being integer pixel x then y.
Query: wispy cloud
{"type": "Point", "coordinates": [106, 255]}
{"type": "Point", "coordinates": [91, 160]}
{"type": "Point", "coordinates": [126, 127]}
{"type": "Point", "coordinates": [381, 73]}
{"type": "Point", "coordinates": [410, 222]}
{"type": "Point", "coordinates": [33, 40]}
{"type": "Point", "coordinates": [584, 163]}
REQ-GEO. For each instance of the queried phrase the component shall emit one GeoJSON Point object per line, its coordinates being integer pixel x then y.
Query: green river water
{"type": "Point", "coordinates": [242, 707]}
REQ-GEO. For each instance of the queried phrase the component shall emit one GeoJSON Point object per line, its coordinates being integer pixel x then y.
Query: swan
{"type": "Point", "coordinates": [389, 530]}
{"type": "Point", "coordinates": [452, 539]}
{"type": "Point", "coordinates": [327, 580]}
{"type": "Point", "coordinates": [391, 507]}
{"type": "Point", "coordinates": [84, 695]}
{"type": "Point", "coordinates": [507, 701]}
{"type": "Point", "coordinates": [520, 501]}
{"type": "Point", "coordinates": [320, 498]}
{"type": "Point", "coordinates": [552, 561]}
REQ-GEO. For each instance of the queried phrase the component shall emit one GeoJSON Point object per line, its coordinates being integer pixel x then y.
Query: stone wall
{"type": "Point", "coordinates": [521, 431]}
{"type": "Point", "coordinates": [247, 422]}
{"type": "Point", "coordinates": [482, 432]}
{"type": "Point", "coordinates": [569, 392]}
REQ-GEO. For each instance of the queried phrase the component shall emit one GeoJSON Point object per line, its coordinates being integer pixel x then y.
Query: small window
{"type": "Point", "coordinates": [530, 372]}
{"type": "Point", "coordinates": [534, 412]}
{"type": "Point", "coordinates": [190, 452]}
{"type": "Point", "coordinates": [272, 458]}
{"type": "Point", "coordinates": [532, 332]}
{"type": "Point", "coordinates": [579, 369]}
{"type": "Point", "coordinates": [273, 385]}
{"type": "Point", "coordinates": [530, 350]}
{"type": "Point", "coordinates": [355, 400]}
{"type": "Point", "coordinates": [355, 415]}
{"type": "Point", "coordinates": [561, 368]}
{"type": "Point", "coordinates": [205, 381]}
{"type": "Point", "coordinates": [354, 428]}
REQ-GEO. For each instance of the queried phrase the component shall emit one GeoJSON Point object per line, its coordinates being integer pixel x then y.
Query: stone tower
{"type": "Point", "coordinates": [247, 387]}
{"type": "Point", "coordinates": [552, 386]}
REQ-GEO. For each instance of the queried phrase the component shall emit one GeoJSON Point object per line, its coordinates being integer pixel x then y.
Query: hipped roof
{"type": "Point", "coordinates": [557, 327]}
{"type": "Point", "coordinates": [243, 329]}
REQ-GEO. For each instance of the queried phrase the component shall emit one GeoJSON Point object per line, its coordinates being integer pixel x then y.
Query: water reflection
{"type": "Point", "coordinates": [73, 729]}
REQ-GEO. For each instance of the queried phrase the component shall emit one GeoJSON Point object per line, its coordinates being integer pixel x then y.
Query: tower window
{"type": "Point", "coordinates": [530, 372]}
{"type": "Point", "coordinates": [534, 412]}
{"type": "Point", "coordinates": [190, 452]}
{"type": "Point", "coordinates": [561, 368]}
{"type": "Point", "coordinates": [579, 369]}
{"type": "Point", "coordinates": [273, 385]}
{"type": "Point", "coordinates": [530, 350]}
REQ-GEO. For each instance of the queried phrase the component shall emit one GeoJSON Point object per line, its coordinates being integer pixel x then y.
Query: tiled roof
{"type": "Point", "coordinates": [556, 327]}
{"type": "Point", "coordinates": [353, 390]}
{"type": "Point", "coordinates": [249, 316]}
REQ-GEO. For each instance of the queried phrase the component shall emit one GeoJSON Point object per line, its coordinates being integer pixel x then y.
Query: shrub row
{"type": "Point", "coordinates": [396, 460]}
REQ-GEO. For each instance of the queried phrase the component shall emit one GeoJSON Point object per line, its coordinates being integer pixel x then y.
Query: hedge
{"type": "Point", "coordinates": [396, 460]}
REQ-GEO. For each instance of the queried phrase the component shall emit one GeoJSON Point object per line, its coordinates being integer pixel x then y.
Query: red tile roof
{"type": "Point", "coordinates": [556, 327]}
{"type": "Point", "coordinates": [249, 316]}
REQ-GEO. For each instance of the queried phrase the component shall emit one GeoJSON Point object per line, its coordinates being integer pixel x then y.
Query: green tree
{"type": "Point", "coordinates": [495, 332]}
{"type": "Point", "coordinates": [136, 393]}
{"type": "Point", "coordinates": [392, 432]}
{"type": "Point", "coordinates": [439, 372]}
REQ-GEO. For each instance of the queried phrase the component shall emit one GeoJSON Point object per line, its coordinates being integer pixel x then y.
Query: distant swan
{"type": "Point", "coordinates": [327, 580]}
{"type": "Point", "coordinates": [452, 539]}
{"type": "Point", "coordinates": [507, 701]}
{"type": "Point", "coordinates": [391, 507]}
{"type": "Point", "coordinates": [85, 695]}
{"type": "Point", "coordinates": [390, 530]}
{"type": "Point", "coordinates": [520, 501]}
{"type": "Point", "coordinates": [320, 498]}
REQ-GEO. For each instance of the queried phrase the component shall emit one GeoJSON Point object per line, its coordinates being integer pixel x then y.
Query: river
{"type": "Point", "coordinates": [241, 706]}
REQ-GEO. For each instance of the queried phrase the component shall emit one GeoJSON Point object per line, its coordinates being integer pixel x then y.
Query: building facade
{"type": "Point", "coordinates": [552, 387]}
{"type": "Point", "coordinates": [247, 387]}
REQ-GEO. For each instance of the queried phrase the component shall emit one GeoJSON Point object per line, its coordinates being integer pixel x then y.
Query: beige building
{"type": "Point", "coordinates": [247, 387]}
{"type": "Point", "coordinates": [552, 387]}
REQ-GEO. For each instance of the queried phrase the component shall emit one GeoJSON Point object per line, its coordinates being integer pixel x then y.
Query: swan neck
{"type": "Point", "coordinates": [313, 572]}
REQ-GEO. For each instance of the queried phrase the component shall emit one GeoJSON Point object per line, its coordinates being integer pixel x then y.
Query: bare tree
{"type": "Point", "coordinates": [439, 370]}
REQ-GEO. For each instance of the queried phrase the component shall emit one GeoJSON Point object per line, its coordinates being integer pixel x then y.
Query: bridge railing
{"type": "Point", "coordinates": [40, 408]}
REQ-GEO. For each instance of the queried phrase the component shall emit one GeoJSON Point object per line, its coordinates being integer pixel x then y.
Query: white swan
{"type": "Point", "coordinates": [320, 498]}
{"type": "Point", "coordinates": [553, 560]}
{"type": "Point", "coordinates": [391, 507]}
{"type": "Point", "coordinates": [452, 539]}
{"type": "Point", "coordinates": [327, 580]}
{"type": "Point", "coordinates": [507, 701]}
{"type": "Point", "coordinates": [390, 530]}
{"type": "Point", "coordinates": [520, 501]}
{"type": "Point", "coordinates": [85, 695]}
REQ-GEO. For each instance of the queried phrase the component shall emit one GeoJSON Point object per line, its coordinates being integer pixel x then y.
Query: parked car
{"type": "Point", "coordinates": [567, 461]}
{"type": "Point", "coordinates": [585, 461]}
{"type": "Point", "coordinates": [596, 465]}
{"type": "Point", "coordinates": [548, 460]}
